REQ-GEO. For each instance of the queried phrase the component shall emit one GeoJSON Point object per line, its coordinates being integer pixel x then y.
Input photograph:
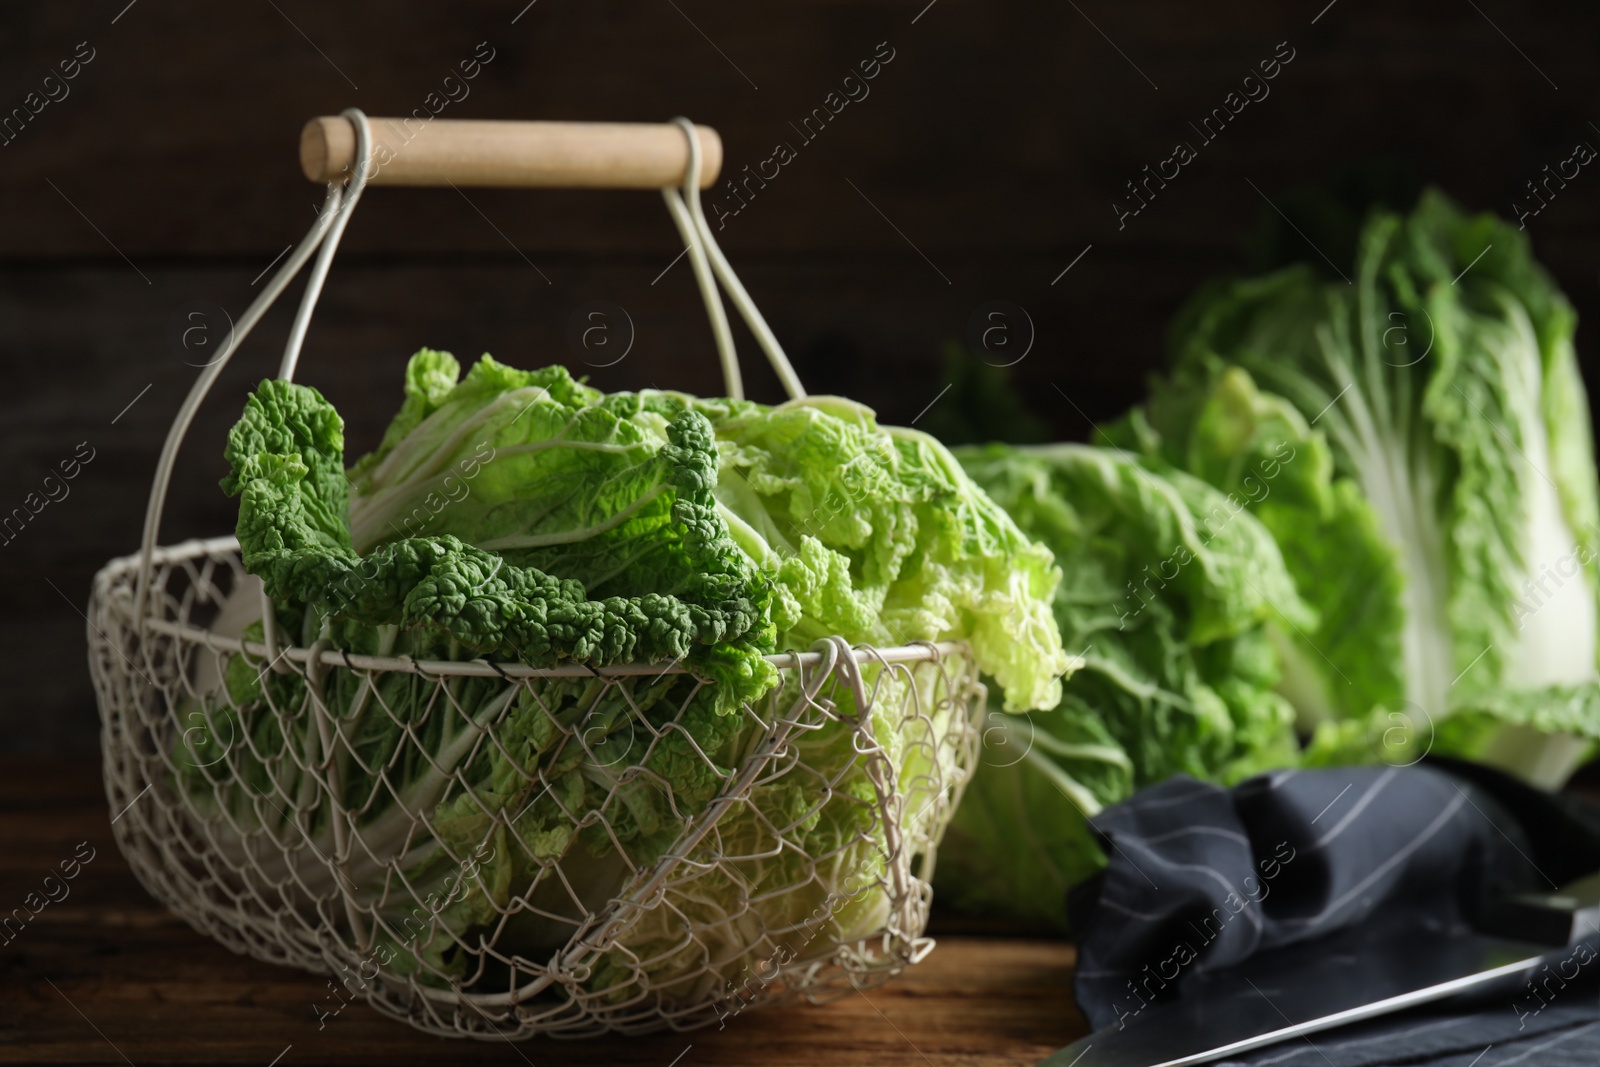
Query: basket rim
{"type": "Point", "coordinates": [122, 566]}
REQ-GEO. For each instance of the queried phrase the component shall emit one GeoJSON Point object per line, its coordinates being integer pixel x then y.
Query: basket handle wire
{"type": "Point", "coordinates": [695, 244]}
{"type": "Point", "coordinates": [708, 261]}
{"type": "Point", "coordinates": [725, 274]}
{"type": "Point", "coordinates": [331, 206]}
{"type": "Point", "coordinates": [330, 244]}
{"type": "Point", "coordinates": [710, 265]}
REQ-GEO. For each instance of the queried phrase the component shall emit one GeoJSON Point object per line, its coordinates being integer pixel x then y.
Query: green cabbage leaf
{"type": "Point", "coordinates": [523, 516]}
{"type": "Point", "coordinates": [1451, 541]}
{"type": "Point", "coordinates": [1170, 590]}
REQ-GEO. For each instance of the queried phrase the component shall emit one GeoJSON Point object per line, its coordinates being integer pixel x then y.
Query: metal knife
{"type": "Point", "coordinates": [1357, 974]}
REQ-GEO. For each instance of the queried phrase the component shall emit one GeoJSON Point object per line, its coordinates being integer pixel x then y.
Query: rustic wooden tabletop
{"type": "Point", "coordinates": [106, 976]}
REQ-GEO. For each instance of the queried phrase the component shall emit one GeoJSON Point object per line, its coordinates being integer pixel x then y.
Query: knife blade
{"type": "Point", "coordinates": [1357, 974]}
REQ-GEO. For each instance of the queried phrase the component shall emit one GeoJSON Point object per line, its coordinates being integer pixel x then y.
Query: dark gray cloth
{"type": "Point", "coordinates": [1200, 877]}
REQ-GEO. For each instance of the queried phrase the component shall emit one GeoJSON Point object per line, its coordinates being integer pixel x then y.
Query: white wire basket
{"type": "Point", "coordinates": [347, 813]}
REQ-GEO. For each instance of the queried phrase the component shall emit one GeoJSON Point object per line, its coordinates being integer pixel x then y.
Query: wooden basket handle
{"type": "Point", "coordinates": [570, 155]}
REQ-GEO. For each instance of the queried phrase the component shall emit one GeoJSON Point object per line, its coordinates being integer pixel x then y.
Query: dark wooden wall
{"type": "Point", "coordinates": [983, 161]}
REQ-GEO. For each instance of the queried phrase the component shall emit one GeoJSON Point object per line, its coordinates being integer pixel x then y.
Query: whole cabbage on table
{"type": "Point", "coordinates": [1442, 517]}
{"type": "Point", "coordinates": [1170, 594]}
{"type": "Point", "coordinates": [524, 516]}
{"type": "Point", "coordinates": [1360, 512]}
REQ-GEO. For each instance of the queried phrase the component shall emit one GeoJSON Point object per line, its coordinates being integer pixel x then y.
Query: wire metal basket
{"type": "Point", "coordinates": [658, 884]}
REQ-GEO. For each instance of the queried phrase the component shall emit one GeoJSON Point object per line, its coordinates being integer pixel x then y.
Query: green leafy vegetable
{"type": "Point", "coordinates": [524, 516]}
{"type": "Point", "coordinates": [598, 476]}
{"type": "Point", "coordinates": [1452, 548]}
{"type": "Point", "coordinates": [878, 532]}
{"type": "Point", "coordinates": [1258, 448]}
{"type": "Point", "coordinates": [1169, 591]}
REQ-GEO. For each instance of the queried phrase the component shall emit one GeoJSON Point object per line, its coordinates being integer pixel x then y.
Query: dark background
{"type": "Point", "coordinates": [985, 159]}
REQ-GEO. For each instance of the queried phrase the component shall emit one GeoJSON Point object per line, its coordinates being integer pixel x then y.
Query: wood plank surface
{"type": "Point", "coordinates": [106, 976]}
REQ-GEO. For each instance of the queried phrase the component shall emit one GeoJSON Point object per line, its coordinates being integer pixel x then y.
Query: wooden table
{"type": "Point", "coordinates": [106, 976]}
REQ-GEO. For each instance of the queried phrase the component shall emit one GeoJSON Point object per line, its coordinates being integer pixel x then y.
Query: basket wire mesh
{"type": "Point", "coordinates": [496, 850]}
{"type": "Point", "coordinates": [741, 907]}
